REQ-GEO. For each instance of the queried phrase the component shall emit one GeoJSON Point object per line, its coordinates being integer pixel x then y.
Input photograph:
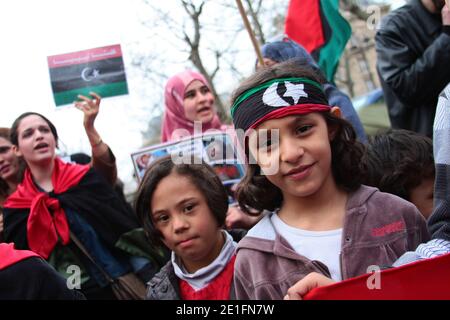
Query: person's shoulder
{"type": "Point", "coordinates": [30, 265]}
{"type": "Point", "coordinates": [41, 280]}
{"type": "Point", "coordinates": [162, 277]}
{"type": "Point", "coordinates": [163, 285]}
{"type": "Point", "coordinates": [383, 206]}
{"type": "Point", "coordinates": [374, 200]}
{"type": "Point", "coordinates": [400, 12]}
{"type": "Point", "coordinates": [397, 18]}
{"type": "Point", "coordinates": [263, 230]}
{"type": "Point", "coordinates": [374, 196]}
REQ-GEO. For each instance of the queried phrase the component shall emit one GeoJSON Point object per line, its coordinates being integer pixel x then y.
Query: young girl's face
{"type": "Point", "coordinates": [180, 212]}
{"type": "Point", "coordinates": [302, 151]}
{"type": "Point", "coordinates": [198, 102]}
{"type": "Point", "coordinates": [9, 163]}
{"type": "Point", "coordinates": [36, 141]}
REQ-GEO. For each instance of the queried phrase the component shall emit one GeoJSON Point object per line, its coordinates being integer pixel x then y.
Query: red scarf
{"type": "Point", "coordinates": [44, 227]}
{"type": "Point", "coordinates": [9, 255]}
{"type": "Point", "coordinates": [217, 289]}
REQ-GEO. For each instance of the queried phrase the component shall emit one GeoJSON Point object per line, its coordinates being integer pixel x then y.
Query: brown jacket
{"type": "Point", "coordinates": [378, 228]}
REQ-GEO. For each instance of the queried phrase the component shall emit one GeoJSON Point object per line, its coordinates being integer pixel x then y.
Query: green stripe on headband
{"type": "Point", "coordinates": [265, 85]}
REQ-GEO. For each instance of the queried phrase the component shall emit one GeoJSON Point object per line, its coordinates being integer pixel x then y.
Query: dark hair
{"type": "Point", "coordinates": [80, 158]}
{"type": "Point", "coordinates": [398, 161]}
{"type": "Point", "coordinates": [4, 188]}
{"type": "Point", "coordinates": [5, 133]}
{"type": "Point", "coordinates": [14, 134]}
{"type": "Point", "coordinates": [201, 175]}
{"type": "Point", "coordinates": [256, 191]}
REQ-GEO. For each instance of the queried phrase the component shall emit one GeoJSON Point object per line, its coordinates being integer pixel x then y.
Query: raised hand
{"type": "Point", "coordinates": [90, 108]}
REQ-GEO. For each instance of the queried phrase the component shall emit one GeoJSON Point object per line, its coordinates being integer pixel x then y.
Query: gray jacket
{"type": "Point", "coordinates": [378, 228]}
{"type": "Point", "coordinates": [164, 285]}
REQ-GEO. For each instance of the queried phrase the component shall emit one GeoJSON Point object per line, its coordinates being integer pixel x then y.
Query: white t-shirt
{"type": "Point", "coordinates": [324, 246]}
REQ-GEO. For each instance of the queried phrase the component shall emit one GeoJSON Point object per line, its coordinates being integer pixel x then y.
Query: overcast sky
{"type": "Point", "coordinates": [33, 30]}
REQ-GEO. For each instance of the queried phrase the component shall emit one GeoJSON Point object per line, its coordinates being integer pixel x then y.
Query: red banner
{"type": "Point", "coordinates": [427, 279]}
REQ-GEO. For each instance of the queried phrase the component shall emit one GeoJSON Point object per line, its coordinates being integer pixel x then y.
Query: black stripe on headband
{"type": "Point", "coordinates": [270, 96]}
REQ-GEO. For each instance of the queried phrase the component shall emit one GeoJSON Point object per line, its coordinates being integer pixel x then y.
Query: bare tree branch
{"type": "Point", "coordinates": [256, 25]}
{"type": "Point", "coordinates": [355, 9]}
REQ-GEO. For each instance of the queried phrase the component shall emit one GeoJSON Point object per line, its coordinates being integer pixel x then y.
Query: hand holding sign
{"type": "Point", "coordinates": [305, 285]}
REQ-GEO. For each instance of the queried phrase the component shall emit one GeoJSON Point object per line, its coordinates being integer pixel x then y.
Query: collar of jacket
{"type": "Point", "coordinates": [263, 236]}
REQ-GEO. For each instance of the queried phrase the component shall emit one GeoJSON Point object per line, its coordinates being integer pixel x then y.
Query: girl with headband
{"type": "Point", "coordinates": [306, 167]}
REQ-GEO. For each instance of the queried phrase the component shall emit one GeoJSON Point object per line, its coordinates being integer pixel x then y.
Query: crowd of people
{"type": "Point", "coordinates": [338, 202]}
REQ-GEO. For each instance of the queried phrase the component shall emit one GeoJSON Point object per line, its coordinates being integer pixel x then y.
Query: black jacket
{"type": "Point", "coordinates": [413, 64]}
{"type": "Point", "coordinates": [34, 279]}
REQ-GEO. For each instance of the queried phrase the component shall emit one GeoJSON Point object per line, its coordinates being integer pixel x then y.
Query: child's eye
{"type": "Point", "coordinates": [268, 141]}
{"type": "Point", "coordinates": [162, 218]}
{"type": "Point", "coordinates": [303, 129]}
{"type": "Point", "coordinates": [4, 149]}
{"type": "Point", "coordinates": [265, 143]}
{"type": "Point", "coordinates": [188, 208]}
{"type": "Point", "coordinates": [44, 129]}
{"type": "Point", "coordinates": [268, 146]}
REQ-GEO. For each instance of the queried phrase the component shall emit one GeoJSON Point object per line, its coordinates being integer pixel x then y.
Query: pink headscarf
{"type": "Point", "coordinates": [174, 114]}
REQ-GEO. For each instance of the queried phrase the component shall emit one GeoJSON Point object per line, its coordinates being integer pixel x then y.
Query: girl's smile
{"type": "Point", "coordinates": [299, 173]}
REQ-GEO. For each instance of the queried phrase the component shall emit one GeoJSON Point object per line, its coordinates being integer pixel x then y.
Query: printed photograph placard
{"type": "Point", "coordinates": [100, 70]}
{"type": "Point", "coordinates": [216, 149]}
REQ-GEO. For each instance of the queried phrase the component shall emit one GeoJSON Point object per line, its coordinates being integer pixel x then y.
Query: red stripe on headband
{"type": "Point", "coordinates": [297, 109]}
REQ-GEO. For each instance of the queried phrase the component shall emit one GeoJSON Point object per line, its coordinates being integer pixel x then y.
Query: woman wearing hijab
{"type": "Point", "coordinates": [188, 99]}
{"type": "Point", "coordinates": [12, 167]}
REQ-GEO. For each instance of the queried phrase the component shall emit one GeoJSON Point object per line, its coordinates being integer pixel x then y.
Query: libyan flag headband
{"type": "Point", "coordinates": [276, 99]}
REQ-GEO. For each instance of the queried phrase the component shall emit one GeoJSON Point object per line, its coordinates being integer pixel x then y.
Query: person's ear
{"type": "Point", "coordinates": [335, 111]}
{"type": "Point", "coordinates": [16, 151]}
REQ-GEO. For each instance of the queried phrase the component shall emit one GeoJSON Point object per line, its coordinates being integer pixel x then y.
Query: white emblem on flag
{"type": "Point", "coordinates": [89, 74]}
{"type": "Point", "coordinates": [273, 99]}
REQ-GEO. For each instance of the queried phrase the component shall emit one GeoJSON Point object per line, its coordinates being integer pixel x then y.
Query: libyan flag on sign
{"type": "Point", "coordinates": [100, 70]}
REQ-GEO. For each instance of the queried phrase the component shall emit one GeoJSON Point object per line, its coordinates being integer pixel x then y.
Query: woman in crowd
{"type": "Point", "coordinates": [57, 203]}
{"type": "Point", "coordinates": [12, 167]}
